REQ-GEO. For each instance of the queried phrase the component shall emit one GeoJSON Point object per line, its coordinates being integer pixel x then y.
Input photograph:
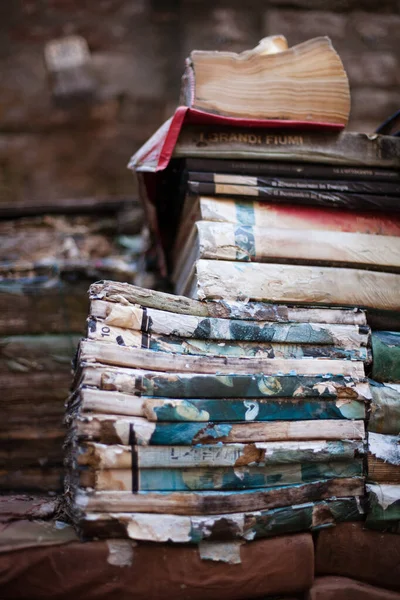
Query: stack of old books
{"type": "Point", "coordinates": [194, 421]}
{"type": "Point", "coordinates": [383, 485]}
{"type": "Point", "coordinates": [237, 410]}
{"type": "Point", "coordinates": [47, 263]}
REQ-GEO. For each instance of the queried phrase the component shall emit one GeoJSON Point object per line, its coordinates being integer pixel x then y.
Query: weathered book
{"type": "Point", "coordinates": [39, 479]}
{"type": "Point", "coordinates": [335, 199]}
{"type": "Point", "coordinates": [215, 478]}
{"type": "Point", "coordinates": [150, 320]}
{"type": "Point", "coordinates": [214, 279]}
{"type": "Point", "coordinates": [383, 458]}
{"type": "Point", "coordinates": [33, 306]}
{"type": "Point", "coordinates": [224, 409]}
{"type": "Point", "coordinates": [140, 358]}
{"type": "Point", "coordinates": [33, 453]}
{"type": "Point", "coordinates": [51, 238]}
{"type": "Point", "coordinates": [385, 408]}
{"type": "Point", "coordinates": [128, 294]}
{"type": "Point", "coordinates": [340, 149]}
{"type": "Point", "coordinates": [199, 385]}
{"type": "Point", "coordinates": [386, 354]}
{"type": "Point", "coordinates": [252, 213]}
{"type": "Point", "coordinates": [280, 170]}
{"type": "Point", "coordinates": [231, 409]}
{"type": "Point", "coordinates": [274, 181]}
{"type": "Point", "coordinates": [116, 429]}
{"type": "Point", "coordinates": [97, 330]}
{"type": "Point", "coordinates": [209, 503]}
{"type": "Point", "coordinates": [226, 241]}
{"type": "Point", "coordinates": [247, 526]}
{"type": "Point", "coordinates": [383, 507]}
{"type": "Point", "coordinates": [101, 456]}
{"type": "Point", "coordinates": [261, 83]}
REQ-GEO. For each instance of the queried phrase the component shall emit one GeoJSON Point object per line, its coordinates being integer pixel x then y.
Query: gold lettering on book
{"type": "Point", "coordinates": [217, 137]}
{"type": "Point", "coordinates": [284, 140]}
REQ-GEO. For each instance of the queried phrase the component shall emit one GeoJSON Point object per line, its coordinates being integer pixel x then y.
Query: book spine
{"type": "Point", "coordinates": [151, 341]}
{"type": "Point", "coordinates": [264, 214]}
{"type": "Point", "coordinates": [113, 291]}
{"type": "Point", "coordinates": [332, 199]}
{"type": "Point", "coordinates": [291, 169]}
{"type": "Point", "coordinates": [209, 328]}
{"type": "Point", "coordinates": [253, 525]}
{"type": "Point", "coordinates": [217, 478]}
{"type": "Point", "coordinates": [343, 150]}
{"type": "Point", "coordinates": [192, 385]}
{"type": "Point", "coordinates": [298, 284]}
{"type": "Point", "coordinates": [102, 401]}
{"type": "Point", "coordinates": [386, 353]}
{"type": "Point", "coordinates": [209, 503]}
{"type": "Point", "coordinates": [385, 408]}
{"type": "Point", "coordinates": [110, 354]}
{"type": "Point", "coordinates": [251, 410]}
{"type": "Point", "coordinates": [136, 431]}
{"type": "Point", "coordinates": [102, 456]}
{"type": "Point", "coordinates": [323, 185]}
{"type": "Point", "coordinates": [224, 241]}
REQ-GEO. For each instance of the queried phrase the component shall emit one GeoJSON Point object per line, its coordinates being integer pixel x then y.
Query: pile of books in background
{"type": "Point", "coordinates": [47, 262]}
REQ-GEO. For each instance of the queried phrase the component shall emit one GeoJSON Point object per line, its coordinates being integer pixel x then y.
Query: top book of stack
{"type": "Point", "coordinates": [305, 83]}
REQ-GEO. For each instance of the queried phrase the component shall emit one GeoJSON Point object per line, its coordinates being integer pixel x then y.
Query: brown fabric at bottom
{"type": "Point", "coordinates": [351, 551]}
{"type": "Point", "coordinates": [343, 588]}
{"type": "Point", "coordinates": [93, 571]}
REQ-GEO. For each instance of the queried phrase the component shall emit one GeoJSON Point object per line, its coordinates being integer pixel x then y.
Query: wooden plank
{"type": "Point", "coordinates": [385, 408]}
{"type": "Point", "coordinates": [126, 293]}
{"type": "Point", "coordinates": [198, 385]}
{"type": "Point", "coordinates": [208, 503]}
{"type": "Point", "coordinates": [248, 526]}
{"type": "Point", "coordinates": [386, 353]}
{"type": "Point", "coordinates": [112, 354]}
{"type": "Point", "coordinates": [216, 478]}
{"type": "Point", "coordinates": [98, 330]}
{"type": "Point", "coordinates": [102, 456]}
{"type": "Point", "coordinates": [112, 429]}
{"type": "Point", "coordinates": [166, 323]}
{"type": "Point", "coordinates": [298, 284]}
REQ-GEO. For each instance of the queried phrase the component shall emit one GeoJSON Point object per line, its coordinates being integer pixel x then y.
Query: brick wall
{"type": "Point", "coordinates": [138, 49]}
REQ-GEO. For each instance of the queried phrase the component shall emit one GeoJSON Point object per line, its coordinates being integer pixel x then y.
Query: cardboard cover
{"type": "Point", "coordinates": [156, 153]}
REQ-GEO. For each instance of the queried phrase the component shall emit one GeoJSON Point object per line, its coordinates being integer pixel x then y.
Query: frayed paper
{"type": "Point", "coordinates": [120, 553]}
{"type": "Point", "coordinates": [228, 552]}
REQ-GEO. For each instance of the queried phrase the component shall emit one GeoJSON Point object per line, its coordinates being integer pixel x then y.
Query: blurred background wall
{"type": "Point", "coordinates": [138, 49]}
